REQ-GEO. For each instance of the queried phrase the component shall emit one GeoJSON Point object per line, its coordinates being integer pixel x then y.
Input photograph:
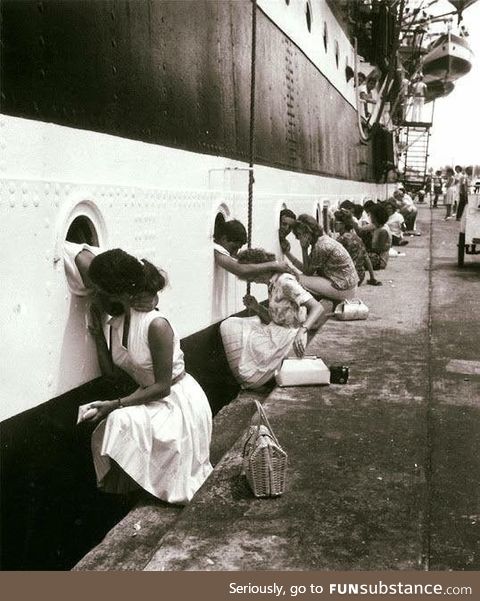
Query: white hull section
{"type": "Point", "coordinates": [324, 28]}
{"type": "Point", "coordinates": [155, 202]}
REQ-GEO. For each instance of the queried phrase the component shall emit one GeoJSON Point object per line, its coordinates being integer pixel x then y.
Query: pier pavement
{"type": "Point", "coordinates": [383, 472]}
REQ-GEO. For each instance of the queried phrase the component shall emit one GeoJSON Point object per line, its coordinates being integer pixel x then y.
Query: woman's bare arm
{"type": "Point", "coordinates": [96, 330]}
{"type": "Point", "coordinates": [252, 304]}
{"type": "Point", "coordinates": [160, 340]}
{"type": "Point", "coordinates": [316, 315]}
{"type": "Point", "coordinates": [296, 262]}
{"type": "Point", "coordinates": [246, 270]}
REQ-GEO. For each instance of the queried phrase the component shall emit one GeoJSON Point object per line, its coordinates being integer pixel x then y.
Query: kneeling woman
{"type": "Point", "coordinates": [158, 436]}
{"type": "Point", "coordinates": [328, 269]}
{"type": "Point", "coordinates": [256, 346]}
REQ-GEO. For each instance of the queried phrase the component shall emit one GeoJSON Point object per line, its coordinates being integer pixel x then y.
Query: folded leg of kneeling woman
{"type": "Point", "coordinates": [323, 288]}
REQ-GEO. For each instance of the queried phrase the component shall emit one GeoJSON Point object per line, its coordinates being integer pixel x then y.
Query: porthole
{"type": "Point", "coordinates": [349, 73]}
{"type": "Point", "coordinates": [82, 231]}
{"type": "Point", "coordinates": [308, 16]}
{"type": "Point", "coordinates": [337, 53]}
{"type": "Point", "coordinates": [325, 36]}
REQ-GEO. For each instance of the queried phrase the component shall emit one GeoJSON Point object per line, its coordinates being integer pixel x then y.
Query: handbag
{"type": "Point", "coordinates": [264, 460]}
{"type": "Point", "coordinates": [302, 371]}
{"type": "Point", "coordinates": [350, 310]}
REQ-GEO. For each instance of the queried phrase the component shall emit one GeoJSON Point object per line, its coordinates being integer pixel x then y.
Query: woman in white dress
{"type": "Point", "coordinates": [256, 346]}
{"type": "Point", "coordinates": [159, 436]}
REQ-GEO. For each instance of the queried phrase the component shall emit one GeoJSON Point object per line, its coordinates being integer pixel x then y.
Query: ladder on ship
{"type": "Point", "coordinates": [415, 138]}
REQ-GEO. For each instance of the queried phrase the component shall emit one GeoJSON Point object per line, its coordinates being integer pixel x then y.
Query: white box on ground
{"type": "Point", "coordinates": [305, 371]}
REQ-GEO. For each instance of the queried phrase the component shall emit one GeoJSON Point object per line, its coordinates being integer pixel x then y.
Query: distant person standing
{"type": "Point", "coordinates": [437, 187]}
{"type": "Point", "coordinates": [465, 182]}
{"type": "Point", "coordinates": [450, 191]}
{"type": "Point", "coordinates": [404, 98]}
{"type": "Point", "coordinates": [362, 93]}
{"type": "Point", "coordinates": [459, 184]}
{"type": "Point", "coordinates": [419, 91]}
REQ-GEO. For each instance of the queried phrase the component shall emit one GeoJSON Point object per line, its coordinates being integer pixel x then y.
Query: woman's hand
{"type": "Point", "coordinates": [284, 245]}
{"type": "Point", "coordinates": [250, 302]}
{"type": "Point", "coordinates": [99, 410]}
{"type": "Point", "coordinates": [144, 302]}
{"type": "Point", "coordinates": [300, 342]}
{"type": "Point", "coordinates": [283, 267]}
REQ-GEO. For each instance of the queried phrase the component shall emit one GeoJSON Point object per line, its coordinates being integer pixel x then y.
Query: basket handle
{"type": "Point", "coordinates": [263, 418]}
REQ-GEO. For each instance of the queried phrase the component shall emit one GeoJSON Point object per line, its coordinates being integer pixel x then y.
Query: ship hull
{"type": "Point", "coordinates": [137, 117]}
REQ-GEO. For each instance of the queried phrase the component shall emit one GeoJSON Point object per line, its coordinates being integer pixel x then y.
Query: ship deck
{"type": "Point", "coordinates": [383, 473]}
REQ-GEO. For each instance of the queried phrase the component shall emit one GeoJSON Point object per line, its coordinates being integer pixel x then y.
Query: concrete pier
{"type": "Point", "coordinates": [384, 472]}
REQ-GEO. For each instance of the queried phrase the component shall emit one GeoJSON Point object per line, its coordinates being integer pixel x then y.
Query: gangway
{"type": "Point", "coordinates": [415, 137]}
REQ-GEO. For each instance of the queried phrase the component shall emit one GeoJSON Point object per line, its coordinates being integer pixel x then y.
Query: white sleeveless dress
{"type": "Point", "coordinates": [162, 445]}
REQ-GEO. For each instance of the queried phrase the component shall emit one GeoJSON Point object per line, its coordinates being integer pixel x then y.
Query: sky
{"type": "Point", "coordinates": [456, 122]}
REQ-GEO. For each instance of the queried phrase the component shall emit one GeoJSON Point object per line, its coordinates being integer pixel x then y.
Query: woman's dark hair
{"type": "Point", "coordinates": [379, 214]}
{"type": "Point", "coordinates": [287, 213]}
{"type": "Point", "coordinates": [234, 231]}
{"type": "Point", "coordinates": [309, 223]}
{"type": "Point", "coordinates": [345, 217]}
{"type": "Point", "coordinates": [368, 205]}
{"type": "Point", "coordinates": [358, 211]}
{"type": "Point", "coordinates": [449, 171]}
{"type": "Point", "coordinates": [155, 279]}
{"type": "Point", "coordinates": [255, 256]}
{"type": "Point", "coordinates": [347, 204]}
{"type": "Point", "coordinates": [117, 272]}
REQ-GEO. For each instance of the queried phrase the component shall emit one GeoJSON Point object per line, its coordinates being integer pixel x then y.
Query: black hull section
{"type": "Point", "coordinates": [447, 67]}
{"type": "Point", "coordinates": [51, 510]}
{"type": "Point", "coordinates": [177, 74]}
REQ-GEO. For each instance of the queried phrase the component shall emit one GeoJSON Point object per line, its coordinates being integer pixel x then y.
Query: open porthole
{"type": "Point", "coordinates": [220, 217]}
{"type": "Point", "coordinates": [80, 222]}
{"type": "Point", "coordinates": [218, 225]}
{"type": "Point", "coordinates": [82, 231]}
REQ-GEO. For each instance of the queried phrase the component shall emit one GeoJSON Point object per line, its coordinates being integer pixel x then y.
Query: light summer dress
{"type": "Point", "coordinates": [162, 445]}
{"type": "Point", "coordinates": [256, 350]}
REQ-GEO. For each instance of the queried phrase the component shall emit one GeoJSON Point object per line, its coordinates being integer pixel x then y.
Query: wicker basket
{"type": "Point", "coordinates": [264, 460]}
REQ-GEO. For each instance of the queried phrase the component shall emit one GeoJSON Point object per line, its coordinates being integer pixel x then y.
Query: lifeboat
{"type": "Point", "coordinates": [438, 88]}
{"type": "Point", "coordinates": [448, 58]}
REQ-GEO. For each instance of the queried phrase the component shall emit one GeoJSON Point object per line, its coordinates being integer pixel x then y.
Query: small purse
{"type": "Point", "coordinates": [264, 460]}
{"type": "Point", "coordinates": [302, 371]}
{"type": "Point", "coordinates": [351, 310]}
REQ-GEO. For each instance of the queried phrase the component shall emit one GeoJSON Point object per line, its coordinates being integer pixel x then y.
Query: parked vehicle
{"type": "Point", "coordinates": [469, 235]}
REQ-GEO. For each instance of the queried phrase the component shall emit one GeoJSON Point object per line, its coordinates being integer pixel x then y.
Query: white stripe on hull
{"type": "Point", "coordinates": [156, 202]}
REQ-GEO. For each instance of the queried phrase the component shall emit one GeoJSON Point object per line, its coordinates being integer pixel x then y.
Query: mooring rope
{"type": "Point", "coordinates": [251, 179]}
